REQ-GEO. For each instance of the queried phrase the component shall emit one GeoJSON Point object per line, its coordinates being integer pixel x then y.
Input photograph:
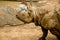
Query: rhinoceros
{"type": "Point", "coordinates": [48, 17]}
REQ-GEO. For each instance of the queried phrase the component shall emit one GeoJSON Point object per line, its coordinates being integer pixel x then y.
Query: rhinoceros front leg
{"type": "Point", "coordinates": [45, 32]}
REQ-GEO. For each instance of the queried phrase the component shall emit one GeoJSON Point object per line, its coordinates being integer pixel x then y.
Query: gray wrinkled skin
{"type": "Point", "coordinates": [48, 17]}
{"type": "Point", "coordinates": [7, 16]}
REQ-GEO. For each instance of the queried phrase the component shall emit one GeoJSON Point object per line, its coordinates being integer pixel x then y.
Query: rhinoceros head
{"type": "Point", "coordinates": [25, 16]}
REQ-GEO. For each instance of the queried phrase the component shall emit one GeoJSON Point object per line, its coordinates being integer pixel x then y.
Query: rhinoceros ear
{"type": "Point", "coordinates": [30, 12]}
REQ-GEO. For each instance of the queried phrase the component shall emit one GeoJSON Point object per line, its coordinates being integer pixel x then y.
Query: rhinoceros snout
{"type": "Point", "coordinates": [17, 16]}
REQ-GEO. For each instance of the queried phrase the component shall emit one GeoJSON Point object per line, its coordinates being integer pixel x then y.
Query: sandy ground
{"type": "Point", "coordinates": [22, 32]}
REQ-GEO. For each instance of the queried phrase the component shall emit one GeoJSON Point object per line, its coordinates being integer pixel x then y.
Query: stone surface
{"type": "Point", "coordinates": [8, 16]}
{"type": "Point", "coordinates": [23, 32]}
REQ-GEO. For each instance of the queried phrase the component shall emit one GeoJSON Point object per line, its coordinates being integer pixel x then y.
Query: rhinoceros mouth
{"type": "Point", "coordinates": [19, 18]}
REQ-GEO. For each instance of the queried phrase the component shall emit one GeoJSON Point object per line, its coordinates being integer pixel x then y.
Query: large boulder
{"type": "Point", "coordinates": [7, 16]}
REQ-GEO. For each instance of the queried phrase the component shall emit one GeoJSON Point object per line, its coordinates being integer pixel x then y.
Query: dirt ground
{"type": "Point", "coordinates": [22, 32]}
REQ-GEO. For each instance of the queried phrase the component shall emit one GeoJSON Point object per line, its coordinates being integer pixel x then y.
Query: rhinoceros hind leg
{"type": "Point", "coordinates": [58, 38]}
{"type": "Point", "coordinates": [56, 33]}
{"type": "Point", "coordinates": [42, 38]}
